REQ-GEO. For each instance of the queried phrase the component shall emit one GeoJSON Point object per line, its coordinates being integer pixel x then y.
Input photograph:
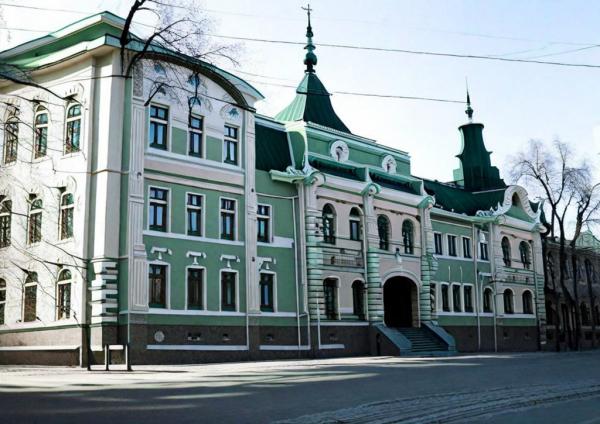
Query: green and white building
{"type": "Point", "coordinates": [175, 219]}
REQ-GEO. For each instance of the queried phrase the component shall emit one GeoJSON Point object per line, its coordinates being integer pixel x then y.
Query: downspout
{"type": "Point", "coordinates": [476, 275]}
{"type": "Point", "coordinates": [365, 269]}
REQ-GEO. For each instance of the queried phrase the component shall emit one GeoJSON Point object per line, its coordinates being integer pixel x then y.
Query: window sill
{"type": "Point", "coordinates": [71, 154]}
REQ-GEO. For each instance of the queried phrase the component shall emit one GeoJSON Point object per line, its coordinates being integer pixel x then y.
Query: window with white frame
{"type": "Point", "coordinates": [159, 125]}
{"type": "Point", "coordinates": [40, 131]}
{"type": "Point", "coordinates": [456, 301]}
{"type": "Point", "coordinates": [30, 297]}
{"type": "Point", "coordinates": [195, 288]}
{"type": "Point", "coordinates": [5, 222]}
{"type": "Point", "coordinates": [63, 295]}
{"type": "Point", "coordinates": [451, 245]}
{"type": "Point", "coordinates": [445, 298]}
{"type": "Point", "coordinates": [157, 279]}
{"type": "Point", "coordinates": [263, 223]}
{"type": "Point", "coordinates": [73, 130]}
{"type": "Point", "coordinates": [228, 291]}
{"type": "Point", "coordinates": [231, 145]}
{"type": "Point", "coordinates": [328, 224]}
{"type": "Point", "coordinates": [2, 300]}
{"type": "Point", "coordinates": [488, 300]}
{"type": "Point", "coordinates": [67, 206]}
{"type": "Point", "coordinates": [509, 305]}
{"type": "Point", "coordinates": [195, 129]}
{"type": "Point", "coordinates": [11, 140]}
{"type": "Point", "coordinates": [438, 245]}
{"type": "Point", "coordinates": [194, 214]}
{"type": "Point", "coordinates": [468, 298]}
{"type": "Point", "coordinates": [34, 228]}
{"type": "Point", "coordinates": [267, 303]}
{"type": "Point", "coordinates": [466, 247]}
{"type": "Point", "coordinates": [483, 251]}
{"type": "Point", "coordinates": [228, 219]}
{"type": "Point", "coordinates": [158, 206]}
{"type": "Point", "coordinates": [354, 224]}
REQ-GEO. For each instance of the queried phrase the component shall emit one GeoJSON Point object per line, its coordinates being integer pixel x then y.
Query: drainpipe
{"type": "Point", "coordinates": [365, 268]}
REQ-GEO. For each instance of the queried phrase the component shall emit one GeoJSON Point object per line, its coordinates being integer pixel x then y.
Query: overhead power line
{"type": "Point", "coordinates": [415, 52]}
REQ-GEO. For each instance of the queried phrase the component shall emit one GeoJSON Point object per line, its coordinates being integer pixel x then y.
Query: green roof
{"type": "Point", "coordinates": [312, 104]}
{"type": "Point", "coordinates": [456, 199]}
{"type": "Point", "coordinates": [272, 149]}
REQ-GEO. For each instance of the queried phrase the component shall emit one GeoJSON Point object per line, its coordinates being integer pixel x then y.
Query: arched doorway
{"type": "Point", "coordinates": [400, 302]}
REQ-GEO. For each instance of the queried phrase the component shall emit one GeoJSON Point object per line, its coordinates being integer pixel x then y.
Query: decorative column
{"type": "Point", "coordinates": [428, 263]}
{"type": "Point", "coordinates": [374, 289]}
{"type": "Point", "coordinates": [314, 253]}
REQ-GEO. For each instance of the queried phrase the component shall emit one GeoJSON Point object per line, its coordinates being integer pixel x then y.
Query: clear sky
{"type": "Point", "coordinates": [515, 101]}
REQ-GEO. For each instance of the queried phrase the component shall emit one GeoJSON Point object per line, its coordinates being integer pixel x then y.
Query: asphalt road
{"type": "Point", "coordinates": [518, 388]}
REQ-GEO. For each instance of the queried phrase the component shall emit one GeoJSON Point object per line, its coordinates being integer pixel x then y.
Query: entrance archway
{"type": "Point", "coordinates": [400, 302]}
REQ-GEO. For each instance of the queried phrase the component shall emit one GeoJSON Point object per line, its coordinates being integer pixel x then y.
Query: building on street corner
{"type": "Point", "coordinates": [175, 219]}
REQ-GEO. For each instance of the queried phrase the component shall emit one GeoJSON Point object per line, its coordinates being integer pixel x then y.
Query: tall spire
{"type": "Point", "coordinates": [469, 110]}
{"type": "Point", "coordinates": [310, 59]}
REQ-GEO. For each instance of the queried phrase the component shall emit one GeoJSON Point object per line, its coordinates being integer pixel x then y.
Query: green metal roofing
{"type": "Point", "coordinates": [272, 149]}
{"type": "Point", "coordinates": [456, 199]}
{"type": "Point", "coordinates": [312, 104]}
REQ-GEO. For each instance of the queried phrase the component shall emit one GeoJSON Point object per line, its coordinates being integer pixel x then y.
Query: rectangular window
{"type": "Point", "coordinates": [157, 278]}
{"type": "Point", "coordinates": [466, 245]}
{"type": "Point", "coordinates": [11, 141]}
{"type": "Point", "coordinates": [5, 219]}
{"type": "Point", "coordinates": [41, 133]}
{"type": "Point", "coordinates": [445, 298]}
{"type": "Point", "coordinates": [158, 208]}
{"type": "Point", "coordinates": [159, 122]}
{"type": "Point", "coordinates": [35, 227]}
{"type": "Point", "coordinates": [266, 292]}
{"type": "Point", "coordinates": [468, 295]}
{"type": "Point", "coordinates": [30, 303]}
{"type": "Point", "coordinates": [196, 126]}
{"type": "Point", "coordinates": [227, 219]}
{"type": "Point", "coordinates": [437, 239]}
{"type": "Point", "coordinates": [483, 251]}
{"type": "Point", "coordinates": [451, 245]}
{"type": "Point", "coordinates": [355, 229]}
{"type": "Point", "coordinates": [263, 223]}
{"type": "Point", "coordinates": [228, 291]}
{"type": "Point", "coordinates": [195, 279]}
{"type": "Point", "coordinates": [2, 300]}
{"type": "Point", "coordinates": [230, 145]}
{"type": "Point", "coordinates": [194, 215]}
{"type": "Point", "coordinates": [456, 303]}
{"type": "Point", "coordinates": [63, 305]}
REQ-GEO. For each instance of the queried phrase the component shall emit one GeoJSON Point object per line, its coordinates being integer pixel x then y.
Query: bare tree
{"type": "Point", "coordinates": [567, 188]}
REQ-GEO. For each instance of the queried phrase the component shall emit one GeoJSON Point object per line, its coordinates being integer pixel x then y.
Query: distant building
{"type": "Point", "coordinates": [184, 224]}
{"type": "Point", "coordinates": [561, 313]}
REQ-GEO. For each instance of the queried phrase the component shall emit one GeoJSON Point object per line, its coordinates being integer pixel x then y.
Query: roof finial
{"type": "Point", "coordinates": [469, 110]}
{"type": "Point", "coordinates": [310, 59]}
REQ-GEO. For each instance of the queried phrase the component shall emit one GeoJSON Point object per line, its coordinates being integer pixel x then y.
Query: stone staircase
{"type": "Point", "coordinates": [428, 340]}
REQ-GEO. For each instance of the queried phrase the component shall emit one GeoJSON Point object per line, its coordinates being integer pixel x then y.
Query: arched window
{"type": "Point", "coordinates": [355, 224]}
{"type": "Point", "coordinates": [525, 252]}
{"type": "Point", "coordinates": [589, 271]}
{"type": "Point", "coordinates": [585, 314]}
{"type": "Point", "coordinates": [330, 297]}
{"type": "Point", "coordinates": [527, 303]}
{"type": "Point", "coordinates": [508, 301]}
{"type": "Point", "coordinates": [506, 251]}
{"type": "Point", "coordinates": [40, 130]}
{"type": "Point", "coordinates": [358, 299]}
{"type": "Point", "coordinates": [383, 229]}
{"type": "Point", "coordinates": [11, 140]}
{"type": "Point", "coordinates": [73, 133]}
{"type": "Point", "coordinates": [63, 295]}
{"type": "Point", "coordinates": [329, 224]}
{"type": "Point", "coordinates": [66, 215]}
{"type": "Point", "coordinates": [2, 300]}
{"type": "Point", "coordinates": [5, 222]}
{"type": "Point", "coordinates": [35, 221]}
{"type": "Point", "coordinates": [488, 300]}
{"type": "Point", "coordinates": [408, 237]}
{"type": "Point", "coordinates": [30, 297]}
